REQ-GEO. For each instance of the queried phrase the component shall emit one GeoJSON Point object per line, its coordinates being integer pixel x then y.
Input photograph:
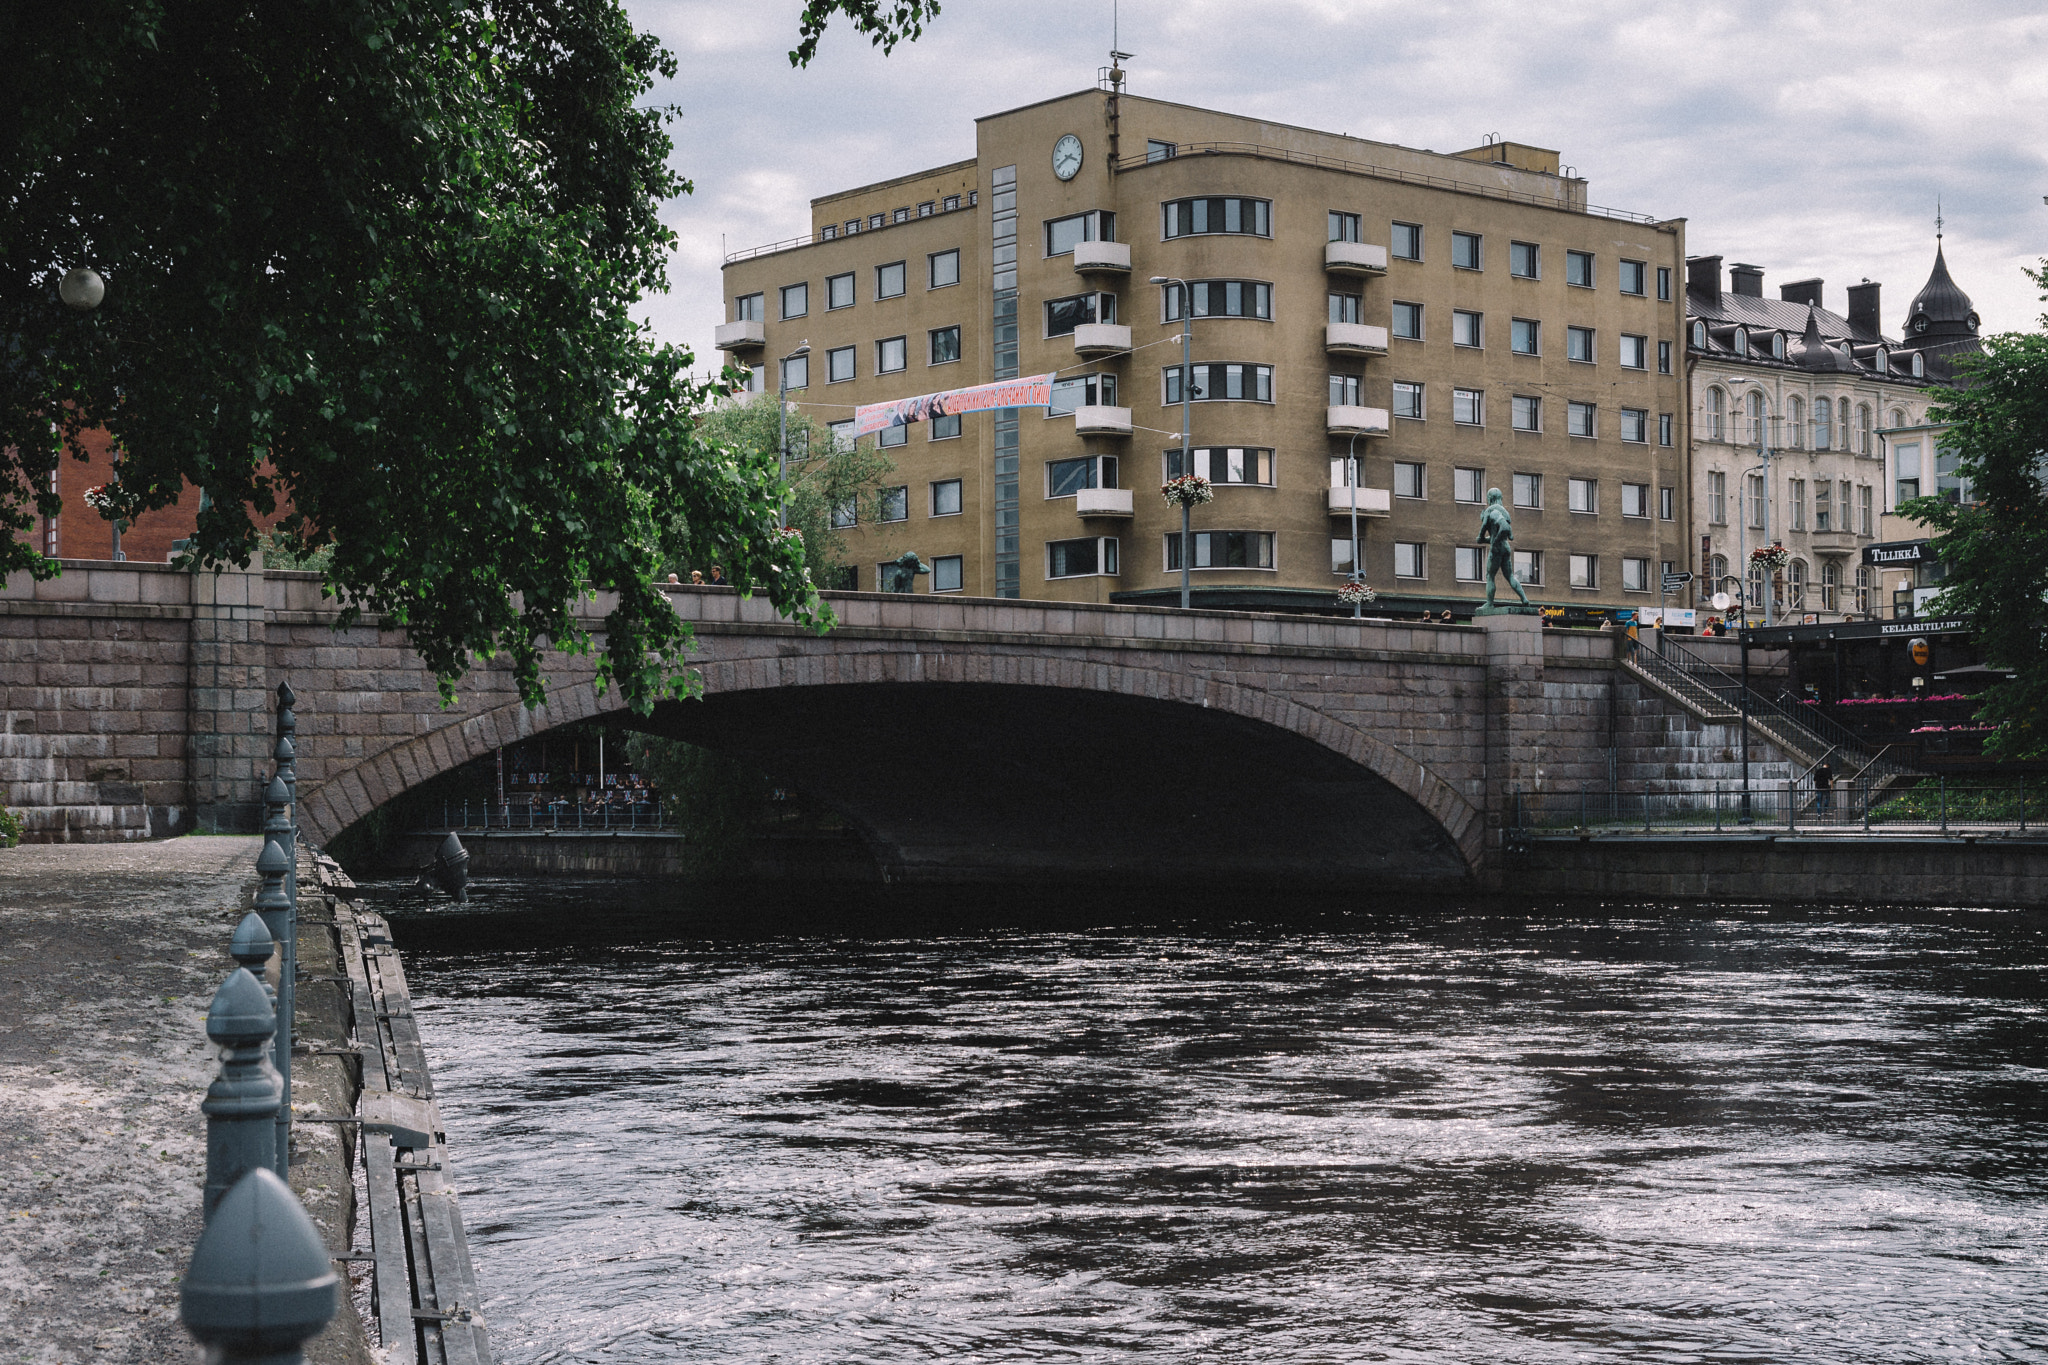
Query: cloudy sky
{"type": "Point", "coordinates": [1811, 137]}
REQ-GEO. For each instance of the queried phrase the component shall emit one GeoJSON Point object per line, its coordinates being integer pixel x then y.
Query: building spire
{"type": "Point", "coordinates": [1937, 222]}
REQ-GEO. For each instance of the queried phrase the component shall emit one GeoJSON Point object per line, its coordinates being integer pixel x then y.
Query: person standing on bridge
{"type": "Point", "coordinates": [1823, 788]}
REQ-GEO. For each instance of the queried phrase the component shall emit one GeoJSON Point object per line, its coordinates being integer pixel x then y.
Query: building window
{"type": "Point", "coordinates": [1634, 277]}
{"type": "Point", "coordinates": [1756, 432]}
{"type": "Point", "coordinates": [1664, 283]}
{"type": "Point", "coordinates": [1578, 344]}
{"type": "Point", "coordinates": [1664, 429]}
{"type": "Point", "coordinates": [1411, 559]}
{"type": "Point", "coordinates": [1635, 574]}
{"type": "Point", "coordinates": [1717, 498]}
{"type": "Point", "coordinates": [1581, 419]}
{"type": "Point", "coordinates": [796, 372]}
{"type": "Point", "coordinates": [1795, 504]}
{"type": "Point", "coordinates": [1635, 500]}
{"type": "Point", "coordinates": [1408, 321]}
{"type": "Point", "coordinates": [1717, 573]}
{"type": "Point", "coordinates": [894, 503]}
{"type": "Point", "coordinates": [839, 291]}
{"type": "Point", "coordinates": [1340, 555]}
{"type": "Point", "coordinates": [945, 345]}
{"type": "Point", "coordinates": [1699, 336]}
{"type": "Point", "coordinates": [1823, 506]}
{"type": "Point", "coordinates": [1863, 445]}
{"type": "Point", "coordinates": [757, 379]}
{"type": "Point", "coordinates": [1717, 410]}
{"type": "Point", "coordinates": [941, 269]}
{"type": "Point", "coordinates": [1220, 381]}
{"type": "Point", "coordinates": [1344, 390]}
{"type": "Point", "coordinates": [945, 428]}
{"type": "Point", "coordinates": [1864, 525]}
{"type": "Point", "coordinates": [1578, 271]}
{"type": "Point", "coordinates": [1667, 503]}
{"type": "Point", "coordinates": [1469, 565]}
{"type": "Point", "coordinates": [948, 572]}
{"type": "Point", "coordinates": [1663, 357]}
{"type": "Point", "coordinates": [1583, 495]}
{"type": "Point", "coordinates": [1155, 150]}
{"type": "Point", "coordinates": [1343, 226]}
{"type": "Point", "coordinates": [1252, 465]}
{"type": "Point", "coordinates": [1795, 413]}
{"type": "Point", "coordinates": [901, 215]}
{"type": "Point", "coordinates": [1635, 352]}
{"type": "Point", "coordinates": [891, 355]}
{"type": "Point", "coordinates": [1062, 235]}
{"type": "Point", "coordinates": [1064, 478]}
{"type": "Point", "coordinates": [1224, 550]}
{"type": "Point", "coordinates": [1830, 585]}
{"type": "Point", "coordinates": [1062, 316]}
{"type": "Point", "coordinates": [1525, 260]}
{"type": "Point", "coordinates": [839, 365]}
{"type": "Point", "coordinates": [1082, 391]}
{"type": "Point", "coordinates": [1347, 308]}
{"type": "Point", "coordinates": [1465, 251]}
{"type": "Point", "coordinates": [1525, 336]}
{"type": "Point", "coordinates": [1408, 400]}
{"type": "Point", "coordinates": [946, 498]}
{"type": "Point", "coordinates": [748, 308]}
{"type": "Point", "coordinates": [1081, 558]}
{"type": "Point", "coordinates": [1407, 242]}
{"type": "Point", "coordinates": [1410, 479]}
{"type": "Point", "coordinates": [892, 436]}
{"type": "Point", "coordinates": [845, 514]}
{"type": "Point", "coordinates": [1529, 567]}
{"type": "Point", "coordinates": [1467, 329]}
{"type": "Point", "coordinates": [1220, 299]}
{"type": "Point", "coordinates": [1585, 571]}
{"type": "Point", "coordinates": [1795, 583]}
{"type": "Point", "coordinates": [1906, 459]}
{"type": "Point", "coordinates": [1635, 425]}
{"type": "Point", "coordinates": [1468, 485]}
{"type": "Point", "coordinates": [1217, 213]}
{"type": "Point", "coordinates": [796, 300]}
{"type": "Point", "coordinates": [1528, 412]}
{"type": "Point", "coordinates": [1468, 407]}
{"type": "Point", "coordinates": [927, 208]}
{"type": "Point", "coordinates": [843, 440]}
{"type": "Point", "coordinates": [1823, 424]}
{"type": "Point", "coordinates": [1754, 487]}
{"type": "Point", "coordinates": [890, 280]}
{"type": "Point", "coordinates": [1863, 589]}
{"type": "Point", "coordinates": [1529, 490]}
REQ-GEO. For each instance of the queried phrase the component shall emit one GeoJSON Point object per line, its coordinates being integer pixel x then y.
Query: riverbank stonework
{"type": "Point", "coordinates": [110, 954]}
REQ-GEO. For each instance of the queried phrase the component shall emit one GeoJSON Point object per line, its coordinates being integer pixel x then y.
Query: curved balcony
{"type": "Point", "coordinates": [1372, 502]}
{"type": "Point", "coordinates": [1101, 421]}
{"type": "Point", "coordinates": [740, 336]}
{"type": "Point", "coordinates": [1354, 338]}
{"type": "Point", "coordinates": [1102, 502]}
{"type": "Point", "coordinates": [1350, 421]}
{"type": "Point", "coordinates": [1093, 339]}
{"type": "Point", "coordinates": [1102, 258]}
{"type": "Point", "coordinates": [1355, 258]}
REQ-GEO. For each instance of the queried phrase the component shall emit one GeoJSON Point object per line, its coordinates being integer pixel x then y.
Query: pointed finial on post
{"type": "Point", "coordinates": [260, 1284]}
{"type": "Point", "coordinates": [241, 1104]}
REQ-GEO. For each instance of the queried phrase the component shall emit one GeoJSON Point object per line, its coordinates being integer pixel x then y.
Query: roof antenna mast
{"type": "Point", "coordinates": [1117, 57]}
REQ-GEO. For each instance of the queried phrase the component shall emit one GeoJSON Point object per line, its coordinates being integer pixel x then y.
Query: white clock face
{"type": "Point", "coordinates": [1066, 157]}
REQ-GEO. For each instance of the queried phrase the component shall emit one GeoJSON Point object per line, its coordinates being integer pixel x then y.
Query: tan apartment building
{"type": "Point", "coordinates": [1459, 322]}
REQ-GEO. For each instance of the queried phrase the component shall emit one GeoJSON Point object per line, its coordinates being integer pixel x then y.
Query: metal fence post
{"type": "Point", "coordinates": [2023, 803]}
{"type": "Point", "coordinates": [251, 947]}
{"type": "Point", "coordinates": [1944, 802]}
{"type": "Point", "coordinates": [275, 908]}
{"type": "Point", "coordinates": [1582, 807]}
{"type": "Point", "coordinates": [1717, 808]}
{"type": "Point", "coordinates": [1791, 810]}
{"type": "Point", "coordinates": [259, 1285]}
{"type": "Point", "coordinates": [241, 1104]}
{"type": "Point", "coordinates": [1866, 805]}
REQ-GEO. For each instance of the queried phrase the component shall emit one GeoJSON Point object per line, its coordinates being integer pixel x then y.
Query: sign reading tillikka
{"type": "Point", "coordinates": [1032, 392]}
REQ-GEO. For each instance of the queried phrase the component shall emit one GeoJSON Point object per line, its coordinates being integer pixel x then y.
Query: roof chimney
{"type": "Point", "coordinates": [1746, 279]}
{"type": "Point", "coordinates": [1703, 277]}
{"type": "Point", "coordinates": [1801, 291]}
{"type": "Point", "coordinates": [1863, 309]}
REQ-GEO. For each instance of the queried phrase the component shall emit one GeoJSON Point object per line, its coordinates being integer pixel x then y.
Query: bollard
{"type": "Point", "coordinates": [275, 909]}
{"type": "Point", "coordinates": [241, 1104]}
{"type": "Point", "coordinates": [260, 1284]}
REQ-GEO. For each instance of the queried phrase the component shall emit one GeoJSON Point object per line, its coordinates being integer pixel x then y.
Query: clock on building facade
{"type": "Point", "coordinates": [1066, 157]}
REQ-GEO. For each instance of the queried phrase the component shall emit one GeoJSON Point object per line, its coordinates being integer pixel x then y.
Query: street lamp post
{"type": "Point", "coordinates": [782, 419]}
{"type": "Point", "coordinates": [1187, 398]}
{"type": "Point", "coordinates": [1351, 475]}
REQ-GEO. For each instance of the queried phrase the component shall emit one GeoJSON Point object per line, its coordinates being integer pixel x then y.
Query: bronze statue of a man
{"type": "Point", "coordinates": [1497, 531]}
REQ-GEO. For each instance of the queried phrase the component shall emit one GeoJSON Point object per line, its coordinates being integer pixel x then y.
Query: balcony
{"type": "Point", "coordinates": [1372, 502]}
{"type": "Point", "coordinates": [740, 336]}
{"type": "Point", "coordinates": [1102, 502]}
{"type": "Point", "coordinates": [1355, 258]}
{"type": "Point", "coordinates": [1101, 421]}
{"type": "Point", "coordinates": [1350, 421]}
{"type": "Point", "coordinates": [1354, 338]}
{"type": "Point", "coordinates": [1101, 338]}
{"type": "Point", "coordinates": [1102, 258]}
{"type": "Point", "coordinates": [1835, 542]}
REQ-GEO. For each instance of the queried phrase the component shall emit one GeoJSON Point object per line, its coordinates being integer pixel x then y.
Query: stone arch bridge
{"type": "Point", "coordinates": [967, 739]}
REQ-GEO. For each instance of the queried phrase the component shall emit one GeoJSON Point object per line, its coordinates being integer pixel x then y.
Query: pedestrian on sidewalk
{"type": "Point", "coordinates": [1823, 788]}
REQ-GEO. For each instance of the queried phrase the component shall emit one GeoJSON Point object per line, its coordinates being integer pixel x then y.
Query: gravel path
{"type": "Point", "coordinates": [109, 955]}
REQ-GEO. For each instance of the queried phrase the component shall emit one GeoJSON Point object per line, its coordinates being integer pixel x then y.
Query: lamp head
{"type": "Point", "coordinates": [1161, 279]}
{"type": "Point", "coordinates": [802, 348]}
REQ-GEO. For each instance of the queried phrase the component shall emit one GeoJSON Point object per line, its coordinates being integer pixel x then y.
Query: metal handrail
{"type": "Point", "coordinates": [1821, 731]}
{"type": "Point", "coordinates": [1679, 680]}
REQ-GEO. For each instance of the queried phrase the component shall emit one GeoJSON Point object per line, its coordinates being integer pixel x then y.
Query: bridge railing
{"type": "Point", "coordinates": [1932, 805]}
{"type": "Point", "coordinates": [555, 815]}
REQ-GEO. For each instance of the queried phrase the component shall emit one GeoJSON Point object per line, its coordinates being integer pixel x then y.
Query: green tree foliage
{"type": "Point", "coordinates": [718, 803]}
{"type": "Point", "coordinates": [375, 260]}
{"type": "Point", "coordinates": [884, 22]}
{"type": "Point", "coordinates": [824, 473]}
{"type": "Point", "coordinates": [1996, 546]}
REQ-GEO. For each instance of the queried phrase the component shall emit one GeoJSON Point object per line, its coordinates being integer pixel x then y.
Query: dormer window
{"type": "Point", "coordinates": [1777, 345]}
{"type": "Point", "coordinates": [1742, 341]}
{"type": "Point", "coordinates": [1699, 336]}
{"type": "Point", "coordinates": [1919, 366]}
{"type": "Point", "coordinates": [1919, 322]}
{"type": "Point", "coordinates": [1883, 361]}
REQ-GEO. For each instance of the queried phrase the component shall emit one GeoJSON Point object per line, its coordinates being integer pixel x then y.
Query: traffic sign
{"type": "Point", "coordinates": [1674, 581]}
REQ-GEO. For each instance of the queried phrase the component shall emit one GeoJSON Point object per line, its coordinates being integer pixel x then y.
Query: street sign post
{"type": "Point", "coordinates": [1673, 582]}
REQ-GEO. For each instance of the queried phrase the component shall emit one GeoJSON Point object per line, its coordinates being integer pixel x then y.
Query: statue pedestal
{"type": "Point", "coordinates": [1516, 609]}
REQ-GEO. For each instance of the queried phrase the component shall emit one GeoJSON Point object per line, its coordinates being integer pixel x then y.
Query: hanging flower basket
{"type": "Point", "coordinates": [1356, 594]}
{"type": "Point", "coordinates": [101, 499]}
{"type": "Point", "coordinates": [1771, 557]}
{"type": "Point", "coordinates": [1189, 490]}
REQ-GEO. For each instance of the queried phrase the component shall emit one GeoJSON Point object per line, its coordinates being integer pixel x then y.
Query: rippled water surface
{"type": "Point", "coordinates": [1447, 1137]}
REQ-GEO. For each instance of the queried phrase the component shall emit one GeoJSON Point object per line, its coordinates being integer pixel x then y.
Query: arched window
{"type": "Point", "coordinates": [1699, 336]}
{"type": "Point", "coordinates": [1863, 590]}
{"type": "Point", "coordinates": [1842, 424]}
{"type": "Point", "coordinates": [1863, 428]}
{"type": "Point", "coordinates": [1898, 418]}
{"type": "Point", "coordinates": [1717, 571]}
{"type": "Point", "coordinates": [1754, 594]}
{"type": "Point", "coordinates": [1717, 407]}
{"type": "Point", "coordinates": [1757, 412]}
{"type": "Point", "coordinates": [1823, 423]}
{"type": "Point", "coordinates": [1795, 584]}
{"type": "Point", "coordinates": [1777, 345]}
{"type": "Point", "coordinates": [1830, 585]}
{"type": "Point", "coordinates": [1795, 422]}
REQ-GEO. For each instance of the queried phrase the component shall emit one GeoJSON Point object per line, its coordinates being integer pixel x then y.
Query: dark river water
{"type": "Point", "coordinates": [1527, 1135]}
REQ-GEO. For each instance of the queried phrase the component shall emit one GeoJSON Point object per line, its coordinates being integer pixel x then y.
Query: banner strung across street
{"type": "Point", "coordinates": [1032, 392]}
